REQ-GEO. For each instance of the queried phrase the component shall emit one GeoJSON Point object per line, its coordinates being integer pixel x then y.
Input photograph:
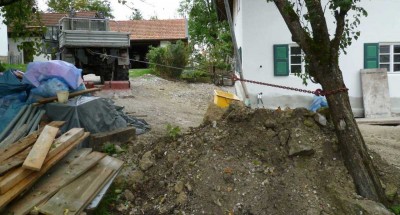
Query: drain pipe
{"type": "Point", "coordinates": [237, 55]}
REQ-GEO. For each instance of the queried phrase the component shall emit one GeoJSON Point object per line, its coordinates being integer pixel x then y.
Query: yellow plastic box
{"type": "Point", "coordinates": [223, 99]}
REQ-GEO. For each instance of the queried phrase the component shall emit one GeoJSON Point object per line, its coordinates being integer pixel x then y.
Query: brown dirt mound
{"type": "Point", "coordinates": [248, 162]}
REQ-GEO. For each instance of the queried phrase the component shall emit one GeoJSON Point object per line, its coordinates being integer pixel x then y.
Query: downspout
{"type": "Point", "coordinates": [235, 47]}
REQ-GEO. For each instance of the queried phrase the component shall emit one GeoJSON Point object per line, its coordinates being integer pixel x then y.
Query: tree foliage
{"type": "Point", "coordinates": [136, 15]}
{"type": "Point", "coordinates": [210, 40]}
{"type": "Point", "coordinates": [23, 21]}
{"type": "Point", "coordinates": [60, 6]}
{"type": "Point", "coordinates": [169, 61]}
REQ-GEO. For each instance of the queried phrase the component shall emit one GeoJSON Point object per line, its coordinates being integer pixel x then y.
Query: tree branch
{"type": "Point", "coordinates": [292, 20]}
{"type": "Point", "coordinates": [318, 22]}
{"type": "Point", "coordinates": [340, 23]}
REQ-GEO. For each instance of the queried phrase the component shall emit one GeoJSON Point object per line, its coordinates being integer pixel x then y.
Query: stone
{"type": "Point", "coordinates": [179, 187]}
{"type": "Point", "coordinates": [182, 198]}
{"type": "Point", "coordinates": [136, 177]}
{"type": "Point", "coordinates": [121, 207]}
{"type": "Point", "coordinates": [147, 161]}
{"type": "Point", "coordinates": [284, 136]}
{"type": "Point", "coordinates": [118, 149]}
{"type": "Point", "coordinates": [391, 191]}
{"type": "Point", "coordinates": [129, 195]}
{"type": "Point", "coordinates": [299, 145]}
{"type": "Point", "coordinates": [321, 119]}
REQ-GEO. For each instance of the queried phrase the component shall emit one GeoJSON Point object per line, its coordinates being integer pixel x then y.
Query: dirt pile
{"type": "Point", "coordinates": [248, 162]}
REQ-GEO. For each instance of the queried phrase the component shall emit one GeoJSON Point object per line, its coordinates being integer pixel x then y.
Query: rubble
{"type": "Point", "coordinates": [253, 162]}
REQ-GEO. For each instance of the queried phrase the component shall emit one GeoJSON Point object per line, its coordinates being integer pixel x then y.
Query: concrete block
{"type": "Point", "coordinates": [375, 89]}
{"type": "Point", "coordinates": [116, 85]}
{"type": "Point", "coordinates": [120, 135]}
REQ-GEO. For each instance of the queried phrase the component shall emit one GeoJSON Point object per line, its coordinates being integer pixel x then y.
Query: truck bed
{"type": "Point", "coordinates": [85, 38]}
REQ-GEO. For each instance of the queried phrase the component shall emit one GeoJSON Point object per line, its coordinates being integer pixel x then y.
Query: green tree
{"type": "Point", "coordinates": [210, 40]}
{"type": "Point", "coordinates": [169, 61]}
{"type": "Point", "coordinates": [61, 6]}
{"type": "Point", "coordinates": [307, 22]}
{"type": "Point", "coordinates": [23, 19]}
{"type": "Point", "coordinates": [136, 15]}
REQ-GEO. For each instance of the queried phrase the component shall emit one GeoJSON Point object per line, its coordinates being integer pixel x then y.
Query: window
{"type": "Point", "coordinates": [296, 59]}
{"type": "Point", "coordinates": [288, 59]}
{"type": "Point", "coordinates": [384, 55]}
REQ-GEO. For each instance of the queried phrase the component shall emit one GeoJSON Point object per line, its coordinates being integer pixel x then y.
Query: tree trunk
{"type": "Point", "coordinates": [351, 142]}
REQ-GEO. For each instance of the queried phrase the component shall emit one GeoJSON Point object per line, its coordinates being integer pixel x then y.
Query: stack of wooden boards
{"type": "Point", "coordinates": [71, 185]}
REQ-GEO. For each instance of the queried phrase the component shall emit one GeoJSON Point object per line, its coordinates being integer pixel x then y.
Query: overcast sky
{"type": "Point", "coordinates": [163, 9]}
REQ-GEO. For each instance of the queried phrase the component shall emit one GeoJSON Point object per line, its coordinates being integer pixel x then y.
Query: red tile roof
{"type": "Point", "coordinates": [169, 29]}
{"type": "Point", "coordinates": [51, 19]}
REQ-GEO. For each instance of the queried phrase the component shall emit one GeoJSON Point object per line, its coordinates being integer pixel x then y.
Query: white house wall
{"type": "Point", "coordinates": [13, 50]}
{"type": "Point", "coordinates": [3, 40]}
{"type": "Point", "coordinates": [259, 26]}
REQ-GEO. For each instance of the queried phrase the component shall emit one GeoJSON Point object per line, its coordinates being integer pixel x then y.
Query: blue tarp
{"type": "Point", "coordinates": [12, 97]}
{"type": "Point", "coordinates": [9, 84]}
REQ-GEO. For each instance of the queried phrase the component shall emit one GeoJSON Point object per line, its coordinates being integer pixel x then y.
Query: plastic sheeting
{"type": "Point", "coordinates": [10, 84]}
{"type": "Point", "coordinates": [318, 102]}
{"type": "Point", "coordinates": [12, 97]}
{"type": "Point", "coordinates": [94, 114]}
{"type": "Point", "coordinates": [37, 72]}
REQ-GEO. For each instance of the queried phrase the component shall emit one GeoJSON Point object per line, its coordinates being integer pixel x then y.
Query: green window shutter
{"type": "Point", "coordinates": [371, 55]}
{"type": "Point", "coordinates": [281, 60]}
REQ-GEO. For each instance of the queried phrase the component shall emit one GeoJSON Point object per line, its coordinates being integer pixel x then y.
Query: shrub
{"type": "Point", "coordinates": [169, 61]}
{"type": "Point", "coordinates": [2, 68]}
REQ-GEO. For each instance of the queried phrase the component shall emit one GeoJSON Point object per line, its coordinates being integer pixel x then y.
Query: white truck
{"type": "Point", "coordinates": [89, 44]}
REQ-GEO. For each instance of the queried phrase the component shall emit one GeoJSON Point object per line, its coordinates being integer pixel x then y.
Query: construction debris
{"type": "Point", "coordinates": [82, 175]}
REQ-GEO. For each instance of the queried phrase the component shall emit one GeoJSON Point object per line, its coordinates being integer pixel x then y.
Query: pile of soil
{"type": "Point", "coordinates": [246, 162]}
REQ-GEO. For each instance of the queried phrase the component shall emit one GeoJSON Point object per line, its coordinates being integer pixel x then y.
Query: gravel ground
{"type": "Point", "coordinates": [161, 102]}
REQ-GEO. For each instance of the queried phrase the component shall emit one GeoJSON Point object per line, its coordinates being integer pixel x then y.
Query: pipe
{"type": "Point", "coordinates": [24, 117]}
{"type": "Point", "coordinates": [12, 123]}
{"type": "Point", "coordinates": [37, 120]}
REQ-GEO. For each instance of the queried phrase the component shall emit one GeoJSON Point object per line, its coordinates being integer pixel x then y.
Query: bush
{"type": "Point", "coordinates": [169, 61]}
{"type": "Point", "coordinates": [195, 76]}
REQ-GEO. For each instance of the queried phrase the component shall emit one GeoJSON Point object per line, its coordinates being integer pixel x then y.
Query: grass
{"type": "Point", "coordinates": [134, 73]}
{"type": "Point", "coordinates": [21, 67]}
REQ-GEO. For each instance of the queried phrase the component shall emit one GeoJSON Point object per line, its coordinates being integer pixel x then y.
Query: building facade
{"type": "Point", "coordinates": [3, 41]}
{"type": "Point", "coordinates": [269, 55]}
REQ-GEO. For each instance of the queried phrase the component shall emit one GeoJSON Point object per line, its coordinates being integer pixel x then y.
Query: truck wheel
{"type": "Point", "coordinates": [121, 74]}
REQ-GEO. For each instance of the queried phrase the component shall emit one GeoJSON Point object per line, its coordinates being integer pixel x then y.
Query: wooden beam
{"type": "Point", "coordinates": [24, 142]}
{"type": "Point", "coordinates": [29, 181]}
{"type": "Point", "coordinates": [77, 195]}
{"type": "Point", "coordinates": [48, 186]}
{"type": "Point", "coordinates": [40, 149]}
{"type": "Point", "coordinates": [12, 178]}
{"type": "Point", "coordinates": [71, 95]}
{"type": "Point", "coordinates": [14, 161]}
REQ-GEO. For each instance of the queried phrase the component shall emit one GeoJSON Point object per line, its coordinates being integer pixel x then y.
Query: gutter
{"type": "Point", "coordinates": [235, 46]}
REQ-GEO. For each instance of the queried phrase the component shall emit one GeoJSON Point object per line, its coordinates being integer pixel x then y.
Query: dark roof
{"type": "Point", "coordinates": [220, 7]}
{"type": "Point", "coordinates": [169, 29]}
{"type": "Point", "coordinates": [51, 19]}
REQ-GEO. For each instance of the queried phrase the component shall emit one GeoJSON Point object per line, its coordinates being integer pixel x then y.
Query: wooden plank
{"type": "Point", "coordinates": [48, 186]}
{"type": "Point", "coordinates": [71, 95]}
{"type": "Point", "coordinates": [24, 142]}
{"type": "Point", "coordinates": [15, 135]}
{"type": "Point", "coordinates": [32, 178]}
{"type": "Point", "coordinates": [77, 195]}
{"type": "Point", "coordinates": [12, 178]}
{"type": "Point", "coordinates": [40, 149]}
{"type": "Point", "coordinates": [14, 161]}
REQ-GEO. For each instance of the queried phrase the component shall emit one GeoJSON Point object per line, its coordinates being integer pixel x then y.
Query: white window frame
{"type": "Point", "coordinates": [290, 60]}
{"type": "Point", "coordinates": [391, 56]}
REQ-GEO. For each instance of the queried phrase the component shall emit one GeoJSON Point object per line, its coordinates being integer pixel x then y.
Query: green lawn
{"type": "Point", "coordinates": [134, 73]}
{"type": "Point", "coordinates": [21, 67]}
